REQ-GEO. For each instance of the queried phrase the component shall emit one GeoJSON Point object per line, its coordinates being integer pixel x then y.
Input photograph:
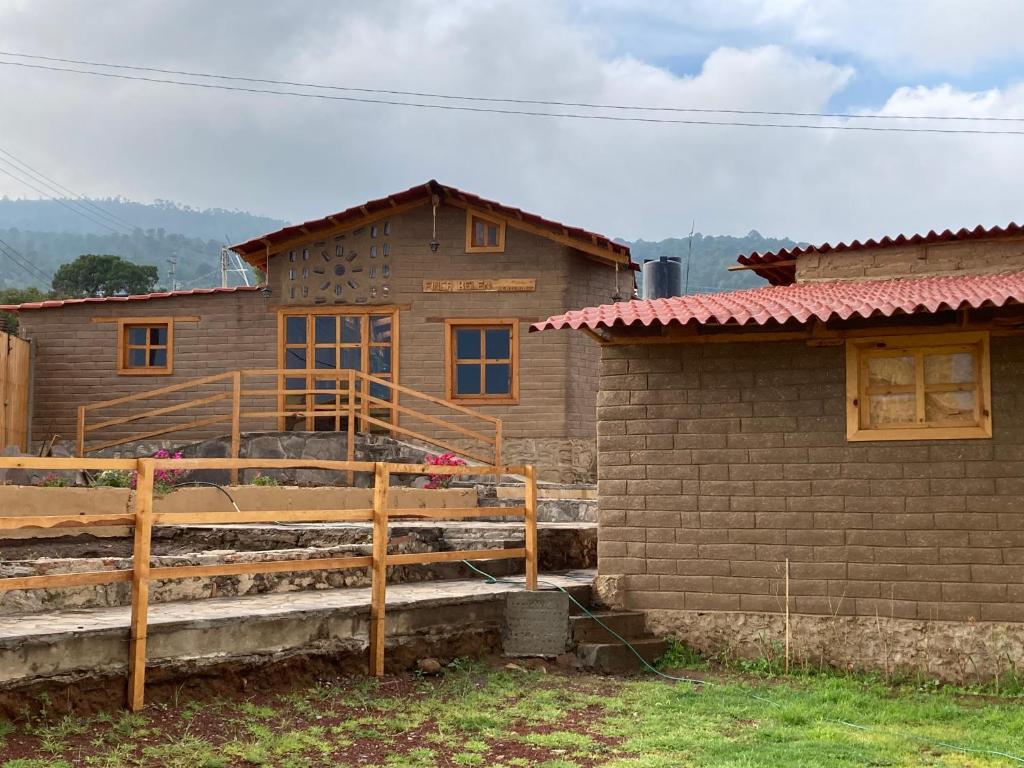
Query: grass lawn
{"type": "Point", "coordinates": [478, 716]}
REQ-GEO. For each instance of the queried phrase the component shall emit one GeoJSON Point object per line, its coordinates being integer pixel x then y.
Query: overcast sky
{"type": "Point", "coordinates": [297, 158]}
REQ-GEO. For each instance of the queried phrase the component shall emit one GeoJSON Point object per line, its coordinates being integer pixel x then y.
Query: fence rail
{"type": "Point", "coordinates": [144, 518]}
{"type": "Point", "coordinates": [351, 400]}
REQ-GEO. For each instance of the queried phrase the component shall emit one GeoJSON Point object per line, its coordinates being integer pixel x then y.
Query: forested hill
{"type": "Point", "coordinates": [712, 255]}
{"type": "Point", "coordinates": [47, 233]}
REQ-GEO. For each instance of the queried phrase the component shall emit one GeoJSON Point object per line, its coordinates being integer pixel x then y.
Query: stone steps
{"type": "Point", "coordinates": [560, 547]}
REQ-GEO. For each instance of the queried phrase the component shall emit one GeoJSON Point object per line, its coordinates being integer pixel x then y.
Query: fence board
{"type": "Point", "coordinates": [15, 361]}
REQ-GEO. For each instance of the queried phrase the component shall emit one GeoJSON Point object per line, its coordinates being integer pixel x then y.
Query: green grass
{"type": "Point", "coordinates": [473, 716]}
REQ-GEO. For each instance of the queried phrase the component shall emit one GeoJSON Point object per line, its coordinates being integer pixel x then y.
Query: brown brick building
{"type": "Point", "coordinates": [428, 288]}
{"type": "Point", "coordinates": [858, 426]}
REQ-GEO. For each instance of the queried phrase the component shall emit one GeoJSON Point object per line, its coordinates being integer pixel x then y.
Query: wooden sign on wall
{"type": "Point", "coordinates": [503, 285]}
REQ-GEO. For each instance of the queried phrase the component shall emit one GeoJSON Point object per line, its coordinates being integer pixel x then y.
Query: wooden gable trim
{"type": "Point", "coordinates": [599, 252]}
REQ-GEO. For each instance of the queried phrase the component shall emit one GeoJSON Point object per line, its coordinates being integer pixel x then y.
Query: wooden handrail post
{"type": "Point", "coordinates": [531, 527]}
{"type": "Point", "coordinates": [378, 588]}
{"type": "Point", "coordinates": [351, 423]}
{"type": "Point", "coordinates": [497, 450]}
{"type": "Point", "coordinates": [140, 585]}
{"type": "Point", "coordinates": [236, 421]}
{"type": "Point", "coordinates": [80, 434]}
{"type": "Point", "coordinates": [365, 394]}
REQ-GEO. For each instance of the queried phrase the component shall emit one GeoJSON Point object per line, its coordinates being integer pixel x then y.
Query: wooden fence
{"type": "Point", "coordinates": [144, 518]}
{"type": "Point", "coordinates": [347, 399]}
{"type": "Point", "coordinates": [15, 361]}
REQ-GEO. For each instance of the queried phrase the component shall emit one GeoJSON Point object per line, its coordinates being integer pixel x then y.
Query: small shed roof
{"type": "Point", "coordinates": [803, 301]}
{"type": "Point", "coordinates": [254, 251]}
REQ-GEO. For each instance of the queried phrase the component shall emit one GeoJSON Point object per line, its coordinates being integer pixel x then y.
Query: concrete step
{"type": "Point", "coordinates": [443, 619]}
{"type": "Point", "coordinates": [629, 624]}
{"type": "Point", "coordinates": [616, 659]}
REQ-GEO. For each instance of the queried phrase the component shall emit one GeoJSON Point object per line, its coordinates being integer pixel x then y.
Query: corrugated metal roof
{"type": "Point", "coordinates": [132, 297]}
{"type": "Point", "coordinates": [767, 264]}
{"type": "Point", "coordinates": [254, 251]}
{"type": "Point", "coordinates": [803, 301]}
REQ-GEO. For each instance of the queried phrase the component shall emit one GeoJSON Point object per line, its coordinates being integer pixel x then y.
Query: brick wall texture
{"type": "Point", "coordinates": [719, 461]}
{"type": "Point", "coordinates": [979, 256]}
{"type": "Point", "coordinates": [76, 358]}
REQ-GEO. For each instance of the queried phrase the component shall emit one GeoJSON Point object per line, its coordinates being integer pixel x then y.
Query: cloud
{"type": "Point", "coordinates": [299, 158]}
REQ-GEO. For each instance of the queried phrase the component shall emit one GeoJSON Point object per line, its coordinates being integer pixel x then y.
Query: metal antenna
{"type": "Point", "coordinates": [689, 258]}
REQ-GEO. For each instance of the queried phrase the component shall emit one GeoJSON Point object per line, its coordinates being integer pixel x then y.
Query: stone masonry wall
{"type": "Point", "coordinates": [982, 256]}
{"type": "Point", "coordinates": [719, 461]}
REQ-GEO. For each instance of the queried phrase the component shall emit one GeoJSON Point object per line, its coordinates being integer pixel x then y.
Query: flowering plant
{"type": "Point", "coordinates": [168, 477]}
{"type": "Point", "coordinates": [442, 460]}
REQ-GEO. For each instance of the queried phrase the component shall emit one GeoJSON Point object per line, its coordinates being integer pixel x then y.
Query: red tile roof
{"type": "Point", "coordinates": [254, 251]}
{"type": "Point", "coordinates": [133, 297]}
{"type": "Point", "coordinates": [767, 264]}
{"type": "Point", "coordinates": [803, 301]}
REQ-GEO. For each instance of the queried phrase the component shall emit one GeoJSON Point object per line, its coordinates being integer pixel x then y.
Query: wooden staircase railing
{"type": "Point", "coordinates": [354, 400]}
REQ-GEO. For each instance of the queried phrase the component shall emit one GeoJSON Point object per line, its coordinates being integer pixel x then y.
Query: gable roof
{"type": "Point", "coordinates": [255, 251]}
{"type": "Point", "coordinates": [777, 268]}
{"type": "Point", "coordinates": [50, 304]}
{"type": "Point", "coordinates": [803, 302]}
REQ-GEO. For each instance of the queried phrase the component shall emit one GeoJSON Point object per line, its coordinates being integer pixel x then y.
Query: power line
{"type": "Point", "coordinates": [16, 256]}
{"type": "Point", "coordinates": [528, 113]}
{"type": "Point", "coordinates": [57, 186]}
{"type": "Point", "coordinates": [61, 202]}
{"type": "Point", "coordinates": [496, 100]}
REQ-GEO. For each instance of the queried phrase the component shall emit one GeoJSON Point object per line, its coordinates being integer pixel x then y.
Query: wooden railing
{"type": "Point", "coordinates": [144, 518]}
{"type": "Point", "coordinates": [354, 401]}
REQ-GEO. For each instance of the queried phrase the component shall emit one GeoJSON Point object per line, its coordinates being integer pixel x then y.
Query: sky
{"type": "Point", "coordinates": [299, 158]}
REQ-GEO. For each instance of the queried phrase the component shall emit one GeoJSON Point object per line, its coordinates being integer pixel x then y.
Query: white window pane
{"type": "Point", "coordinates": [890, 371]}
{"type": "Point", "coordinates": [949, 407]}
{"type": "Point", "coordinates": [892, 410]}
{"type": "Point", "coordinates": [957, 368]}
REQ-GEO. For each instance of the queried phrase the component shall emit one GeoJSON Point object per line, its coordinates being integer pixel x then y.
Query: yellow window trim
{"type": "Point", "coordinates": [857, 352]}
{"type": "Point", "coordinates": [470, 248]}
{"type": "Point", "coordinates": [123, 324]}
{"type": "Point", "coordinates": [450, 325]}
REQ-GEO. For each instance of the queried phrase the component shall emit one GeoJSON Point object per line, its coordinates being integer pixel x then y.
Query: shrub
{"type": "Point", "coordinates": [265, 481]}
{"type": "Point", "coordinates": [443, 460]}
{"type": "Point", "coordinates": [114, 478]}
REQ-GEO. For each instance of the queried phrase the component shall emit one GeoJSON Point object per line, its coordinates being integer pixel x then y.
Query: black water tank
{"type": "Point", "coordinates": [663, 278]}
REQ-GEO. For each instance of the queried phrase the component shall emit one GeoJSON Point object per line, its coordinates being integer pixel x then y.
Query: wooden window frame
{"type": "Point", "coordinates": [500, 224]}
{"type": "Point", "coordinates": [918, 345]}
{"type": "Point", "coordinates": [366, 344]}
{"type": "Point", "coordinates": [123, 324]}
{"type": "Point", "coordinates": [453, 324]}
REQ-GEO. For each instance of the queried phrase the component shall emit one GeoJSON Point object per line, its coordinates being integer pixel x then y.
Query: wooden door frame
{"type": "Point", "coordinates": [365, 310]}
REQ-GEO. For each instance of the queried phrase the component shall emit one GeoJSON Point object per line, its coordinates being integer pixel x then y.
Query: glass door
{"type": "Point", "coordinates": [319, 347]}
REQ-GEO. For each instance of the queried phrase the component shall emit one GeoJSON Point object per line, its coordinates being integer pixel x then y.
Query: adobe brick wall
{"type": "Point", "coordinates": [76, 359]}
{"type": "Point", "coordinates": [719, 461]}
{"type": "Point", "coordinates": [982, 256]}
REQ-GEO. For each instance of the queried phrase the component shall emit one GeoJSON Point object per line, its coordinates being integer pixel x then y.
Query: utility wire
{"type": "Point", "coordinates": [495, 100]}
{"type": "Point", "coordinates": [523, 112]}
{"type": "Point", "coordinates": [62, 202]}
{"type": "Point", "coordinates": [18, 258]}
{"type": "Point", "coordinates": [57, 186]}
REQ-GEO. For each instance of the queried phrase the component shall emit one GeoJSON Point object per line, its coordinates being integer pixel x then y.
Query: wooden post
{"type": "Point", "coordinates": [531, 527]}
{"type": "Point", "coordinates": [787, 616]}
{"type": "Point", "coordinates": [80, 434]}
{"type": "Point", "coordinates": [140, 585]}
{"type": "Point", "coordinates": [378, 588]}
{"type": "Point", "coordinates": [497, 451]}
{"type": "Point", "coordinates": [351, 422]}
{"type": "Point", "coordinates": [236, 421]}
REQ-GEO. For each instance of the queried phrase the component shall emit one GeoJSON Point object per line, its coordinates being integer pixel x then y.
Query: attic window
{"type": "Point", "coordinates": [484, 234]}
{"type": "Point", "coordinates": [928, 387]}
